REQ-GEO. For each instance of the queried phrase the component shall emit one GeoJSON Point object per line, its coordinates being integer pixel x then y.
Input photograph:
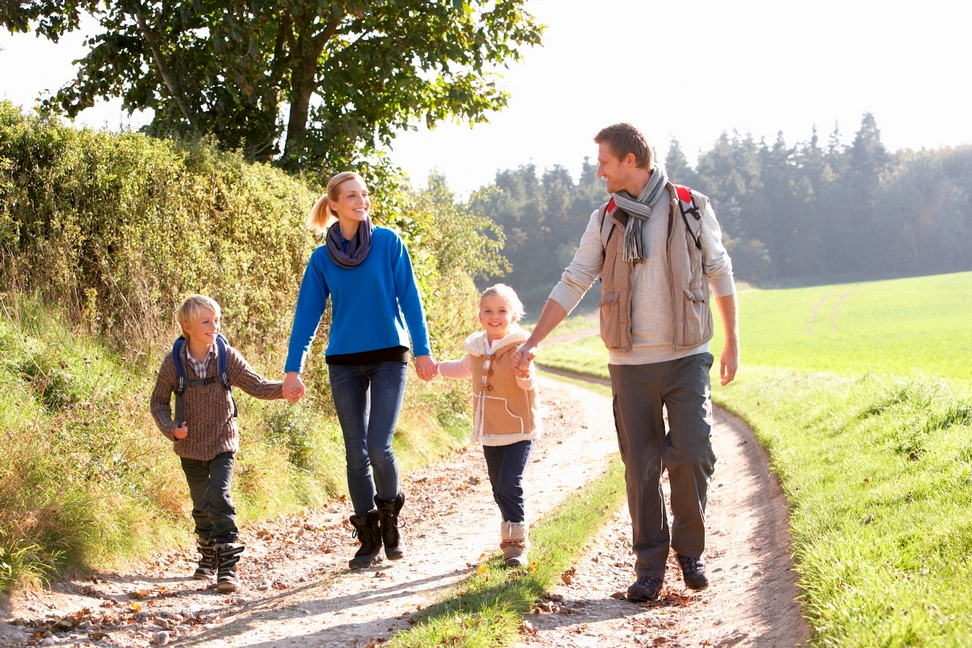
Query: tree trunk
{"type": "Point", "coordinates": [162, 67]}
{"type": "Point", "coordinates": [307, 55]}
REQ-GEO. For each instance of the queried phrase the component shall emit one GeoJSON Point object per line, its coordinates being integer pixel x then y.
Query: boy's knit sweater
{"type": "Point", "coordinates": [208, 409]}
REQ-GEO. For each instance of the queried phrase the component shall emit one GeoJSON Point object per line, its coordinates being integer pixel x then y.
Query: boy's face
{"type": "Point", "coordinates": [204, 329]}
{"type": "Point", "coordinates": [496, 315]}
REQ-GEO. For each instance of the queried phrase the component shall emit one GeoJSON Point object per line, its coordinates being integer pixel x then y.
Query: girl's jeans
{"type": "Point", "coordinates": [368, 400]}
{"type": "Point", "coordinates": [505, 465]}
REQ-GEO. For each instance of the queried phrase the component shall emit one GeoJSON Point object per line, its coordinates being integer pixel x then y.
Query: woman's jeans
{"type": "Point", "coordinates": [209, 488]}
{"type": "Point", "coordinates": [368, 400]}
{"type": "Point", "coordinates": [505, 465]}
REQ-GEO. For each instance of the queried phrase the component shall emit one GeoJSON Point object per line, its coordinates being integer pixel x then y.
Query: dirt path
{"type": "Point", "coordinates": [296, 588]}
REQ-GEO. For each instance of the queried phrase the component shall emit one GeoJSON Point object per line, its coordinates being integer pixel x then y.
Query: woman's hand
{"type": "Point", "coordinates": [293, 387]}
{"type": "Point", "coordinates": [180, 433]}
{"type": "Point", "coordinates": [426, 367]}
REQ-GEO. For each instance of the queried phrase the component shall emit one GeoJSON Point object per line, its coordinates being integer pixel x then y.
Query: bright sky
{"type": "Point", "coordinates": [689, 69]}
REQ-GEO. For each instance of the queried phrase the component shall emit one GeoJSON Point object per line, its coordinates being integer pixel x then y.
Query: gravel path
{"type": "Point", "coordinates": [297, 590]}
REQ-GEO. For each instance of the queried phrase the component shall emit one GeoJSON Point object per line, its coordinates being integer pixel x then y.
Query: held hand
{"type": "Point", "coordinates": [523, 372]}
{"type": "Point", "coordinates": [426, 367]}
{"type": "Point", "coordinates": [522, 358]}
{"type": "Point", "coordinates": [180, 433]}
{"type": "Point", "coordinates": [293, 387]}
{"type": "Point", "coordinates": [729, 362]}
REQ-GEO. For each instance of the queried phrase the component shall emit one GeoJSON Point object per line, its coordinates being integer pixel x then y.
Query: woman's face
{"type": "Point", "coordinates": [353, 202]}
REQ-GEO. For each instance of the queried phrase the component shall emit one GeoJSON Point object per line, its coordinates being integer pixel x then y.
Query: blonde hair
{"type": "Point", "coordinates": [192, 307]}
{"type": "Point", "coordinates": [321, 215]}
{"type": "Point", "coordinates": [507, 293]}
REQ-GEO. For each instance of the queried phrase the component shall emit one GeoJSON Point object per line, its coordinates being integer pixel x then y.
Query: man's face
{"type": "Point", "coordinates": [614, 171]}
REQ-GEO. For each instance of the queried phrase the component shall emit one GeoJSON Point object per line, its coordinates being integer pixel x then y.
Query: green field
{"type": "Point", "coordinates": [861, 395]}
{"type": "Point", "coordinates": [899, 328]}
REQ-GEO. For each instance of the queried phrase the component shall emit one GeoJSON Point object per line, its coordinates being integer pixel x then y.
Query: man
{"type": "Point", "coordinates": [654, 260]}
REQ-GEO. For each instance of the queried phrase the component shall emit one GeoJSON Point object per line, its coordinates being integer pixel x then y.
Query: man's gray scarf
{"type": "Point", "coordinates": [639, 211]}
{"type": "Point", "coordinates": [358, 246]}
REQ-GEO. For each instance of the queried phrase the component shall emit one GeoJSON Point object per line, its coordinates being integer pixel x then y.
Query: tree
{"type": "Point", "coordinates": [349, 74]}
{"type": "Point", "coordinates": [677, 166]}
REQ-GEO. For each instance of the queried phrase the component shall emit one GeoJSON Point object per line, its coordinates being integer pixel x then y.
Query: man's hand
{"type": "Point", "coordinates": [181, 433]}
{"type": "Point", "coordinates": [522, 358]}
{"type": "Point", "coordinates": [293, 387]}
{"type": "Point", "coordinates": [729, 362]}
{"type": "Point", "coordinates": [425, 367]}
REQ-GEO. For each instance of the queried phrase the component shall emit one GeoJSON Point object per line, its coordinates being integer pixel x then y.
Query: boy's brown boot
{"type": "Point", "coordinates": [227, 555]}
{"type": "Point", "coordinates": [207, 559]}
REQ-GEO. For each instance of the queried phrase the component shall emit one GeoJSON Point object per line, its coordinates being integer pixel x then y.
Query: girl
{"type": "Point", "coordinates": [367, 273]}
{"type": "Point", "coordinates": [506, 420]}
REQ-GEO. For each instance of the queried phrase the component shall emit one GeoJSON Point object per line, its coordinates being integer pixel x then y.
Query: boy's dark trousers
{"type": "Point", "coordinates": [209, 488]}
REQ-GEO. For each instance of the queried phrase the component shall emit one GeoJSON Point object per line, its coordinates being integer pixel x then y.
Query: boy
{"type": "Point", "coordinates": [207, 439]}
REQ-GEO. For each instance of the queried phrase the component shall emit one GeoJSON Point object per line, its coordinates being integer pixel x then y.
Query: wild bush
{"type": "Point", "coordinates": [101, 236]}
{"type": "Point", "coordinates": [117, 228]}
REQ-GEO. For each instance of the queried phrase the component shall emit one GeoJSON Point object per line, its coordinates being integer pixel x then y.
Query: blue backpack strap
{"type": "Point", "coordinates": [221, 355]}
{"type": "Point", "coordinates": [223, 370]}
{"type": "Point", "coordinates": [182, 379]}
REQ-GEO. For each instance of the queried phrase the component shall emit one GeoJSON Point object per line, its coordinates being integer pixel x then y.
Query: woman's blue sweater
{"type": "Point", "coordinates": [367, 303]}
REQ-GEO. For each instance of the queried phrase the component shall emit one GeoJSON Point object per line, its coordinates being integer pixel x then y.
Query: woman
{"type": "Point", "coordinates": [367, 273]}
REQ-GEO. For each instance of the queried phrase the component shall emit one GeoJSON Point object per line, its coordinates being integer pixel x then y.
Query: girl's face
{"type": "Point", "coordinates": [496, 316]}
{"type": "Point", "coordinates": [353, 201]}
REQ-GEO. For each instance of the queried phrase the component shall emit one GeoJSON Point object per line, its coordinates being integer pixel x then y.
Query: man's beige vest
{"type": "Point", "coordinates": [690, 287]}
{"type": "Point", "coordinates": [502, 406]}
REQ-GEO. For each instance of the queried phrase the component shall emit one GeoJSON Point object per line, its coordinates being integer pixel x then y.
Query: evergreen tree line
{"type": "Point", "coordinates": [805, 213]}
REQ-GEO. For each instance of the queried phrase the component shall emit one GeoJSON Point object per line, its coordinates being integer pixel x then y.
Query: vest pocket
{"type": "Point", "coordinates": [610, 319]}
{"type": "Point", "coordinates": [499, 418]}
{"type": "Point", "coordinates": [696, 295]}
{"type": "Point", "coordinates": [696, 318]}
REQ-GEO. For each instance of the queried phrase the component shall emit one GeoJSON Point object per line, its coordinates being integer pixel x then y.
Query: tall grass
{"type": "Point", "coordinates": [87, 481]}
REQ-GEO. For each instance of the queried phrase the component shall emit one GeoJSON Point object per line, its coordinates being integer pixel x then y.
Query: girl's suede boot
{"type": "Point", "coordinates": [227, 555]}
{"type": "Point", "coordinates": [388, 511]}
{"type": "Point", "coordinates": [515, 544]}
{"type": "Point", "coordinates": [368, 532]}
{"type": "Point", "coordinates": [207, 559]}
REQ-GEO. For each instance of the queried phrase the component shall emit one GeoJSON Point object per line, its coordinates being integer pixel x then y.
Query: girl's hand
{"type": "Point", "coordinates": [180, 433]}
{"type": "Point", "coordinates": [426, 367]}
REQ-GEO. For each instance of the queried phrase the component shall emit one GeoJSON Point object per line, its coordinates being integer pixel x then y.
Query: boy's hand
{"type": "Point", "coordinates": [180, 433]}
{"type": "Point", "coordinates": [293, 387]}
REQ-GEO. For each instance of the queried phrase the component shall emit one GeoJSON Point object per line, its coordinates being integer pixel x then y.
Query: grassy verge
{"type": "Point", "coordinates": [878, 473]}
{"type": "Point", "coordinates": [487, 608]}
{"type": "Point", "coordinates": [87, 481]}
